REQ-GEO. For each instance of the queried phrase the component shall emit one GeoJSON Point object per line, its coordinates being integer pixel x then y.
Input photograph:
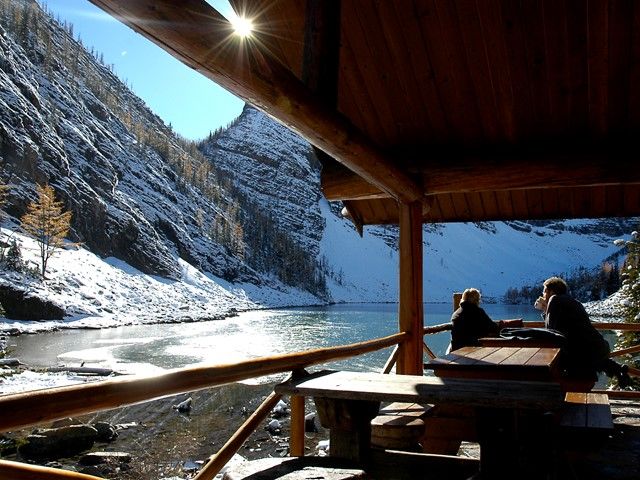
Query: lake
{"type": "Point", "coordinates": [145, 349]}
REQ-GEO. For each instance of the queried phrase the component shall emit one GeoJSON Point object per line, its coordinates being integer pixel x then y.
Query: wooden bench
{"type": "Point", "coordinates": [399, 426]}
{"type": "Point", "coordinates": [586, 413]}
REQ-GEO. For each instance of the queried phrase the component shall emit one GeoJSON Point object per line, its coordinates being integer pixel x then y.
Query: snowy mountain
{"type": "Point", "coordinates": [235, 222]}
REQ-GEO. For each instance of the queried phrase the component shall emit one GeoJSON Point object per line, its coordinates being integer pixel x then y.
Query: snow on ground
{"type": "Point", "coordinates": [100, 293]}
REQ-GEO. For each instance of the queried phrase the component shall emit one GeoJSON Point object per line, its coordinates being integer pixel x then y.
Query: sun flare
{"type": "Point", "coordinates": [243, 27]}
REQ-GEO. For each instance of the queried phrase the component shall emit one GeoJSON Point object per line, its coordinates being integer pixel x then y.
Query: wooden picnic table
{"type": "Point", "coordinates": [500, 363]}
{"type": "Point", "coordinates": [348, 401]}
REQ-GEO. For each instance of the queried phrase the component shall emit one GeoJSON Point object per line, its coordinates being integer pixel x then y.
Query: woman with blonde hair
{"type": "Point", "coordinates": [470, 322]}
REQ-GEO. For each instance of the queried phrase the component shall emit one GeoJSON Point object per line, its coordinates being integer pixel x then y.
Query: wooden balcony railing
{"type": "Point", "coordinates": [35, 407]}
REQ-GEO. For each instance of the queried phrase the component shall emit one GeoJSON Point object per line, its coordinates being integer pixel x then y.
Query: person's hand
{"type": "Point", "coordinates": [540, 304]}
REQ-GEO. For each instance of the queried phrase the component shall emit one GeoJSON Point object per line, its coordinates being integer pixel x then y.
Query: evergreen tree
{"type": "Point", "coordinates": [630, 292]}
{"type": "Point", "coordinates": [46, 221]}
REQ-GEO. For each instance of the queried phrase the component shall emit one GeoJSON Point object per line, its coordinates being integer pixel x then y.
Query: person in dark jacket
{"type": "Point", "coordinates": [586, 351]}
{"type": "Point", "coordinates": [470, 322]}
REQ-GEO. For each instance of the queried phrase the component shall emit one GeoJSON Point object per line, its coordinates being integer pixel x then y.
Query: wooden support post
{"type": "Point", "coordinates": [229, 449]}
{"type": "Point", "coordinates": [296, 441]}
{"type": "Point", "coordinates": [457, 298]}
{"type": "Point", "coordinates": [411, 310]}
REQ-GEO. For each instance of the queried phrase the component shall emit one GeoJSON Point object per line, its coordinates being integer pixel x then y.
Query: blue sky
{"type": "Point", "coordinates": [191, 103]}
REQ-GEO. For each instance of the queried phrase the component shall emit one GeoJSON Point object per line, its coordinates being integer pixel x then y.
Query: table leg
{"type": "Point", "coordinates": [349, 422]}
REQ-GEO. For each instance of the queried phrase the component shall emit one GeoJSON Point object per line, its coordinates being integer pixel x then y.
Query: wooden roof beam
{"type": "Point", "coordinates": [196, 34]}
{"type": "Point", "coordinates": [477, 174]}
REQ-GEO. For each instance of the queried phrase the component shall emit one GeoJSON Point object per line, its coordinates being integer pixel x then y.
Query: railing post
{"type": "Point", "coordinates": [296, 441]}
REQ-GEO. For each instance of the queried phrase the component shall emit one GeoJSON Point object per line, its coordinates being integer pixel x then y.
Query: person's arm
{"type": "Point", "coordinates": [516, 323]}
{"type": "Point", "coordinates": [553, 316]}
{"type": "Point", "coordinates": [489, 326]}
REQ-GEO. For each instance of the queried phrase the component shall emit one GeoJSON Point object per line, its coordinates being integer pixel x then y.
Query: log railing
{"type": "Point", "coordinates": [35, 407]}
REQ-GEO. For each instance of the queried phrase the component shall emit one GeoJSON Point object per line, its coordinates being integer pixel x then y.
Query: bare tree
{"type": "Point", "coordinates": [46, 221]}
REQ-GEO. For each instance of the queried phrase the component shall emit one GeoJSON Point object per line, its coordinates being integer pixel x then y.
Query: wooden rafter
{"type": "Point", "coordinates": [560, 167]}
{"type": "Point", "coordinates": [200, 37]}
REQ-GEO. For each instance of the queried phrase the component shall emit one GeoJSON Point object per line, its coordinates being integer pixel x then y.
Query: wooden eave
{"type": "Point", "coordinates": [481, 110]}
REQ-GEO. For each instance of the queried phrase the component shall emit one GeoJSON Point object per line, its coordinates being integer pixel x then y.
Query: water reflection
{"type": "Point", "coordinates": [149, 348]}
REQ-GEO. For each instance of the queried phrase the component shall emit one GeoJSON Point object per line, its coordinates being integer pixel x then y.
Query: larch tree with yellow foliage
{"type": "Point", "coordinates": [47, 222]}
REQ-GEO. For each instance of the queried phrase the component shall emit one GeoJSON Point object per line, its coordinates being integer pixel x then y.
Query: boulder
{"type": "Point", "coordinates": [58, 442]}
{"type": "Point", "coordinates": [106, 431]}
{"type": "Point", "coordinates": [19, 305]}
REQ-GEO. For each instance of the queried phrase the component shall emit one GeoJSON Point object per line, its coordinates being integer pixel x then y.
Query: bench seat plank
{"type": "Point", "coordinates": [587, 410]}
{"type": "Point", "coordinates": [599, 411]}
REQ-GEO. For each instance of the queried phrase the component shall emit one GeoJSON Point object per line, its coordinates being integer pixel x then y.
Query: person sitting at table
{"type": "Point", "coordinates": [586, 351]}
{"type": "Point", "coordinates": [470, 322]}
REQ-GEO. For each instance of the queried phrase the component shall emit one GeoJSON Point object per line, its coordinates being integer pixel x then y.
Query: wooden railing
{"type": "Point", "coordinates": [35, 407]}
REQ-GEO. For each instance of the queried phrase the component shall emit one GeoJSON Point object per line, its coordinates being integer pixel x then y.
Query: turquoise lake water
{"type": "Point", "coordinates": [152, 348]}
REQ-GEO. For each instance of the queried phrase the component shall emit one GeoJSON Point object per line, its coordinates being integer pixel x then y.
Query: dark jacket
{"type": "Point", "coordinates": [470, 322]}
{"type": "Point", "coordinates": [586, 348]}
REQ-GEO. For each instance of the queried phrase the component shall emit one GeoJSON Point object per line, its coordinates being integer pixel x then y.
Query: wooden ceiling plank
{"type": "Point", "coordinates": [490, 203]}
{"type": "Point", "coordinates": [614, 200]}
{"type": "Point", "coordinates": [566, 201]}
{"type": "Point", "coordinates": [598, 200]}
{"type": "Point", "coordinates": [493, 35]}
{"type": "Point", "coordinates": [364, 57]}
{"type": "Point", "coordinates": [321, 57]}
{"type": "Point", "coordinates": [435, 211]}
{"type": "Point", "coordinates": [535, 51]}
{"type": "Point", "coordinates": [354, 100]}
{"type": "Point", "coordinates": [534, 203]}
{"type": "Point", "coordinates": [479, 67]}
{"type": "Point", "coordinates": [475, 205]}
{"type": "Point", "coordinates": [465, 98]}
{"type": "Point", "coordinates": [620, 15]}
{"type": "Point", "coordinates": [550, 201]}
{"type": "Point", "coordinates": [429, 98]}
{"type": "Point", "coordinates": [460, 206]}
{"type": "Point", "coordinates": [634, 74]}
{"type": "Point", "coordinates": [391, 210]}
{"type": "Point", "coordinates": [515, 46]}
{"type": "Point", "coordinates": [197, 35]}
{"type": "Point", "coordinates": [439, 53]}
{"type": "Point", "coordinates": [445, 204]}
{"type": "Point", "coordinates": [598, 74]}
{"type": "Point", "coordinates": [505, 203]}
{"type": "Point", "coordinates": [577, 28]}
{"type": "Point", "coordinates": [557, 63]}
{"type": "Point", "coordinates": [631, 198]}
{"type": "Point", "coordinates": [414, 123]}
{"type": "Point", "coordinates": [519, 204]}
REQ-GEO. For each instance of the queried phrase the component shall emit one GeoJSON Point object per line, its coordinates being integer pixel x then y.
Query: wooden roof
{"type": "Point", "coordinates": [481, 110]}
